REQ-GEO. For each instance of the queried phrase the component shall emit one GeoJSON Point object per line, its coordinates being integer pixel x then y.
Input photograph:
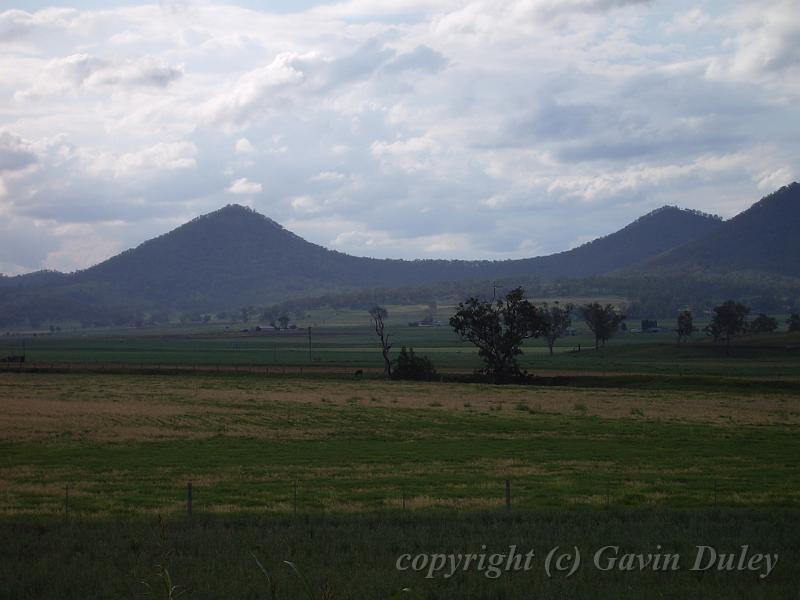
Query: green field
{"type": "Point", "coordinates": [348, 342]}
{"type": "Point", "coordinates": [639, 444]}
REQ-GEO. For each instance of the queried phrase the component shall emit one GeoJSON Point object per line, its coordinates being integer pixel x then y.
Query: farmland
{"type": "Point", "coordinates": [642, 443]}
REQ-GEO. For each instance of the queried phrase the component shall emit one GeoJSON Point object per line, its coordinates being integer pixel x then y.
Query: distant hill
{"type": "Point", "coordinates": [764, 238]}
{"type": "Point", "coordinates": [235, 257]}
{"type": "Point", "coordinates": [648, 236]}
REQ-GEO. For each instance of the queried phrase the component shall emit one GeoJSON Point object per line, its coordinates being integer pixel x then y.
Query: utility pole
{"type": "Point", "coordinates": [494, 290]}
{"type": "Point", "coordinates": [310, 355]}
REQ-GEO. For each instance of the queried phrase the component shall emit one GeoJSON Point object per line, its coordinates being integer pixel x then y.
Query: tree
{"type": "Point", "coordinates": [793, 322]}
{"type": "Point", "coordinates": [379, 315]}
{"type": "Point", "coordinates": [685, 325]}
{"type": "Point", "coordinates": [555, 320]}
{"type": "Point", "coordinates": [498, 330]}
{"type": "Point", "coordinates": [283, 322]}
{"type": "Point", "coordinates": [763, 324]}
{"type": "Point", "coordinates": [604, 321]}
{"type": "Point", "coordinates": [728, 322]}
{"type": "Point", "coordinates": [410, 366]}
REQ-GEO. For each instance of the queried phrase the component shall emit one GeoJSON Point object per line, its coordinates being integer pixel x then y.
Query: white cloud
{"type": "Point", "coordinates": [415, 154]}
{"type": "Point", "coordinates": [15, 153]}
{"type": "Point", "coordinates": [91, 72]}
{"type": "Point", "coordinates": [245, 187]}
{"type": "Point", "coordinates": [244, 146]}
{"type": "Point", "coordinates": [305, 204]}
{"type": "Point", "coordinates": [255, 91]}
{"type": "Point", "coordinates": [328, 176]}
{"type": "Point", "coordinates": [469, 128]}
{"type": "Point", "coordinates": [149, 161]}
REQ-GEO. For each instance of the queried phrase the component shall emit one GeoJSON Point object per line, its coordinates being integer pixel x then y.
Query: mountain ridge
{"type": "Point", "coordinates": [764, 237]}
{"type": "Point", "coordinates": [235, 256]}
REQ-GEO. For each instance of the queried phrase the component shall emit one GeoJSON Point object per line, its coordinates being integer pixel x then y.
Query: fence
{"type": "Point", "coordinates": [109, 367]}
{"type": "Point", "coordinates": [712, 495]}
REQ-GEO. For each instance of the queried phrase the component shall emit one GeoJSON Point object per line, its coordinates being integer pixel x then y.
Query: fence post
{"type": "Point", "coordinates": [508, 493]}
{"type": "Point", "coordinates": [294, 500]}
{"type": "Point", "coordinates": [66, 502]}
{"type": "Point", "coordinates": [189, 499]}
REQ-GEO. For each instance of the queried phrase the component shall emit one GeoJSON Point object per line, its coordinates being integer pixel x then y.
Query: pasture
{"type": "Point", "coordinates": [642, 443]}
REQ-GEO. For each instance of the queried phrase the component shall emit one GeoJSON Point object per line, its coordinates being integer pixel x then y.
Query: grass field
{"type": "Point", "coordinates": [129, 444]}
{"type": "Point", "coordinates": [640, 444]}
{"type": "Point", "coordinates": [354, 556]}
{"type": "Point", "coordinates": [354, 346]}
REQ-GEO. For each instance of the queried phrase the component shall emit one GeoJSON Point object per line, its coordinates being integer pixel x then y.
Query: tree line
{"type": "Point", "coordinates": [499, 327]}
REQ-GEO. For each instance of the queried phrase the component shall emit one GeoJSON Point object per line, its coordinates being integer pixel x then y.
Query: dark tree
{"type": "Point", "coordinates": [498, 330]}
{"type": "Point", "coordinates": [685, 326]}
{"type": "Point", "coordinates": [379, 315]}
{"type": "Point", "coordinates": [728, 322]}
{"type": "Point", "coordinates": [763, 324]}
{"type": "Point", "coordinates": [411, 366]}
{"type": "Point", "coordinates": [283, 322]}
{"type": "Point", "coordinates": [555, 320]}
{"type": "Point", "coordinates": [604, 321]}
{"type": "Point", "coordinates": [793, 322]}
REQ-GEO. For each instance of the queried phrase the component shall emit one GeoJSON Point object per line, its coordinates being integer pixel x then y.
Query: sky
{"type": "Point", "coordinates": [476, 129]}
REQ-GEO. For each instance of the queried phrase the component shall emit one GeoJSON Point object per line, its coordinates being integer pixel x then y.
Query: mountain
{"type": "Point", "coordinates": [648, 236]}
{"type": "Point", "coordinates": [764, 238]}
{"type": "Point", "coordinates": [235, 249]}
{"type": "Point", "coordinates": [234, 257]}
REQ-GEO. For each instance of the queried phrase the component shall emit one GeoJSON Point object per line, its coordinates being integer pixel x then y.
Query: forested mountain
{"type": "Point", "coordinates": [236, 254]}
{"type": "Point", "coordinates": [235, 257]}
{"type": "Point", "coordinates": [764, 238]}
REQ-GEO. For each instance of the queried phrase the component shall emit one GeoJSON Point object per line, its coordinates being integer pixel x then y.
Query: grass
{"type": "Point", "coordinates": [637, 445]}
{"type": "Point", "coordinates": [352, 347]}
{"type": "Point", "coordinates": [129, 444]}
{"type": "Point", "coordinates": [354, 556]}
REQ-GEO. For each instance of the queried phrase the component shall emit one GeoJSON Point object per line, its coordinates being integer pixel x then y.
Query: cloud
{"type": "Point", "coordinates": [244, 146]}
{"type": "Point", "coordinates": [93, 73]}
{"type": "Point", "coordinates": [245, 187]}
{"type": "Point", "coordinates": [474, 129]}
{"type": "Point", "coordinates": [328, 176]}
{"type": "Point", "coordinates": [412, 155]}
{"type": "Point", "coordinates": [769, 43]}
{"type": "Point", "coordinates": [15, 24]}
{"type": "Point", "coordinates": [156, 158]}
{"type": "Point", "coordinates": [255, 91]}
{"type": "Point", "coordinates": [15, 153]}
{"type": "Point", "coordinates": [421, 58]}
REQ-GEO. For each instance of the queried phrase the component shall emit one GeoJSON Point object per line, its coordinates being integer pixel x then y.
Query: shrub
{"type": "Point", "coordinates": [410, 366]}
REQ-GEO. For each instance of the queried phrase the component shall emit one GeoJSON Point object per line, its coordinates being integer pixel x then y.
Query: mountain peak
{"type": "Point", "coordinates": [762, 238]}
{"type": "Point", "coordinates": [235, 211]}
{"type": "Point", "coordinates": [670, 210]}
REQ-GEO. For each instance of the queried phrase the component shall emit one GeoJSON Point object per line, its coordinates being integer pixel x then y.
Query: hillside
{"type": "Point", "coordinates": [235, 256]}
{"type": "Point", "coordinates": [648, 236]}
{"type": "Point", "coordinates": [764, 238]}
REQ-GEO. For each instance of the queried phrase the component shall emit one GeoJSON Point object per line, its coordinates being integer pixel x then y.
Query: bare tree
{"type": "Point", "coordinates": [379, 315]}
